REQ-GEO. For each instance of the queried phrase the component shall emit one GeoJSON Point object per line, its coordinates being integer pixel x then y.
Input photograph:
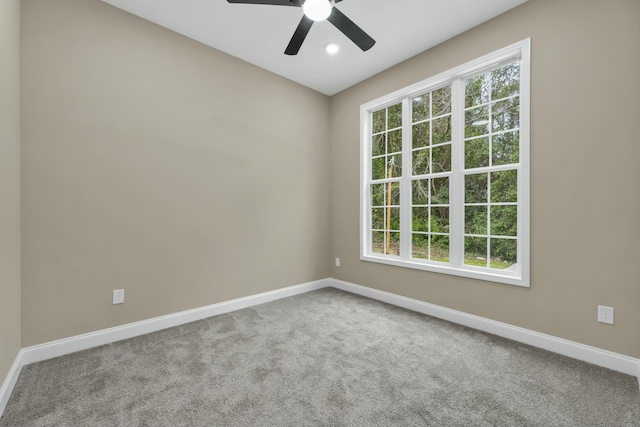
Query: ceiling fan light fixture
{"type": "Point", "coordinates": [317, 10]}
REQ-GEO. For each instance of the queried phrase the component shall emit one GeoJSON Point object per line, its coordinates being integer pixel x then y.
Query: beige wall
{"type": "Point", "coordinates": [585, 173]}
{"type": "Point", "coordinates": [9, 184]}
{"type": "Point", "coordinates": [158, 165]}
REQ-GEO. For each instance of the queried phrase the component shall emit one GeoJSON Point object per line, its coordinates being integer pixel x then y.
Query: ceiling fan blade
{"type": "Point", "coordinates": [351, 30]}
{"type": "Point", "coordinates": [270, 2]}
{"type": "Point", "coordinates": [299, 35]}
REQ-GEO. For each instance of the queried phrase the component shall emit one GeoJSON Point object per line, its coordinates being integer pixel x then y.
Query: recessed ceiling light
{"type": "Point", "coordinates": [331, 48]}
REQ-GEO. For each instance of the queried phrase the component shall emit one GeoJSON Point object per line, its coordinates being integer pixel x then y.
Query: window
{"type": "Point", "coordinates": [445, 171]}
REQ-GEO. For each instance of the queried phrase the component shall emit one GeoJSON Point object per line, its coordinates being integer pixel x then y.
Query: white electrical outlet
{"type": "Point", "coordinates": [337, 262]}
{"type": "Point", "coordinates": [605, 314]}
{"type": "Point", "coordinates": [118, 296]}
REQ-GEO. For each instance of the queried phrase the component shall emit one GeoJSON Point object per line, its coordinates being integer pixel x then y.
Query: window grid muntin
{"type": "Point", "coordinates": [488, 204]}
{"type": "Point", "coordinates": [491, 134]}
{"type": "Point", "coordinates": [428, 206]}
{"type": "Point", "coordinates": [385, 132]}
{"type": "Point", "coordinates": [430, 176]}
{"type": "Point", "coordinates": [388, 208]}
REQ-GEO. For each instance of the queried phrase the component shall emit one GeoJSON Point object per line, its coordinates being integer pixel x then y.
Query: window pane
{"type": "Point", "coordinates": [475, 251]}
{"type": "Point", "coordinates": [505, 81]}
{"type": "Point", "coordinates": [420, 192]}
{"type": "Point", "coordinates": [394, 141]}
{"type": "Point", "coordinates": [476, 122]}
{"type": "Point", "coordinates": [379, 120]}
{"type": "Point", "coordinates": [378, 169]}
{"type": "Point", "coordinates": [503, 253]}
{"type": "Point", "coordinates": [395, 116]}
{"type": "Point", "coordinates": [504, 220]}
{"type": "Point", "coordinates": [504, 186]}
{"type": "Point", "coordinates": [377, 145]}
{"type": "Point", "coordinates": [476, 188]}
{"type": "Point", "coordinates": [420, 107]}
{"type": "Point", "coordinates": [377, 218]}
{"type": "Point", "coordinates": [393, 219]}
{"type": "Point", "coordinates": [421, 160]}
{"type": "Point", "coordinates": [395, 193]}
{"type": "Point", "coordinates": [386, 167]}
{"type": "Point", "coordinates": [477, 90]}
{"type": "Point", "coordinates": [377, 242]}
{"type": "Point", "coordinates": [475, 220]}
{"type": "Point", "coordinates": [440, 220]}
{"type": "Point", "coordinates": [420, 246]}
{"type": "Point", "coordinates": [441, 130]}
{"type": "Point", "coordinates": [420, 219]}
{"type": "Point", "coordinates": [441, 158]}
{"type": "Point", "coordinates": [421, 135]}
{"type": "Point", "coordinates": [476, 153]}
{"type": "Point", "coordinates": [441, 101]}
{"type": "Point", "coordinates": [394, 243]}
{"type": "Point", "coordinates": [506, 148]}
{"type": "Point", "coordinates": [378, 194]}
{"type": "Point", "coordinates": [440, 248]}
{"type": "Point", "coordinates": [394, 166]}
{"type": "Point", "coordinates": [506, 114]}
{"type": "Point", "coordinates": [440, 191]}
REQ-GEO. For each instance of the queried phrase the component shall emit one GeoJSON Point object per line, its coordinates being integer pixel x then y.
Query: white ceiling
{"type": "Point", "coordinates": [259, 33]}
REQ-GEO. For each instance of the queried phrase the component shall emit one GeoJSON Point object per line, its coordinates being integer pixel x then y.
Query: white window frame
{"type": "Point", "coordinates": [518, 51]}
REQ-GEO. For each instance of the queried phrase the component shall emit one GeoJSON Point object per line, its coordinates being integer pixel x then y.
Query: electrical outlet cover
{"type": "Point", "coordinates": [605, 314]}
{"type": "Point", "coordinates": [118, 296]}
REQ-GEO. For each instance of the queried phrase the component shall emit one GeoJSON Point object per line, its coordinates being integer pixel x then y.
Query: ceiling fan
{"type": "Point", "coordinates": [318, 10]}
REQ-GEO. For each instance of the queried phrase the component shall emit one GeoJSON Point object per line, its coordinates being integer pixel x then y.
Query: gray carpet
{"type": "Point", "coordinates": [325, 358]}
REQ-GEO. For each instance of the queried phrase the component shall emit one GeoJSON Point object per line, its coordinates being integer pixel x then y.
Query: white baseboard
{"type": "Point", "coordinates": [10, 381]}
{"type": "Point", "coordinates": [594, 355]}
{"type": "Point", "coordinates": [61, 347]}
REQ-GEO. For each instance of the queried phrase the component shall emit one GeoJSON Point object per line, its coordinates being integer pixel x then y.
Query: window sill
{"type": "Point", "coordinates": [490, 275]}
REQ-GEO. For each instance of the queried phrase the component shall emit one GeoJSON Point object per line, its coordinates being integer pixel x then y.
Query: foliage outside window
{"type": "Point", "coordinates": [445, 171]}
